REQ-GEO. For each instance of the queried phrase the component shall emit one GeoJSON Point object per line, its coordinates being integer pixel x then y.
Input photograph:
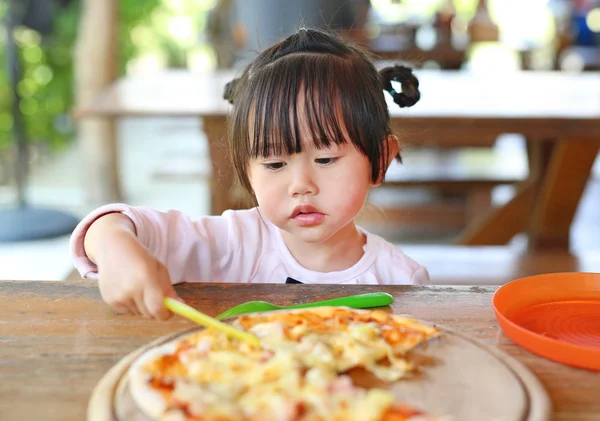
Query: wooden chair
{"type": "Point", "coordinates": [455, 187]}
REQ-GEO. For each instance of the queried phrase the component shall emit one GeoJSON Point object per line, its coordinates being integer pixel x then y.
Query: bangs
{"type": "Point", "coordinates": [309, 89]}
{"type": "Point", "coordinates": [303, 100]}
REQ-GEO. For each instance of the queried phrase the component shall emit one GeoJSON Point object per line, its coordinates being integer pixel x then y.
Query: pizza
{"type": "Point", "coordinates": [302, 371]}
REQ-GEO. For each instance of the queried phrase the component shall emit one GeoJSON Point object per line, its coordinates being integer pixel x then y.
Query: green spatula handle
{"type": "Point", "coordinates": [373, 299]}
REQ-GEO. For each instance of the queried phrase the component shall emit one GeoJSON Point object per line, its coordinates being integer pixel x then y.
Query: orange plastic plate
{"type": "Point", "coordinates": [556, 316]}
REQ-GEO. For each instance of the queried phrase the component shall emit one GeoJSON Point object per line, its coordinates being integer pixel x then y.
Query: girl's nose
{"type": "Point", "coordinates": [303, 181]}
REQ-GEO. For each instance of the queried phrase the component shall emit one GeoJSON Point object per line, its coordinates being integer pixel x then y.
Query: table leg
{"type": "Point", "coordinates": [98, 143]}
{"type": "Point", "coordinates": [500, 225]}
{"type": "Point", "coordinates": [222, 177]}
{"type": "Point", "coordinates": [224, 191]}
{"type": "Point", "coordinates": [560, 193]}
{"type": "Point", "coordinates": [545, 204]}
{"type": "Point", "coordinates": [96, 136]}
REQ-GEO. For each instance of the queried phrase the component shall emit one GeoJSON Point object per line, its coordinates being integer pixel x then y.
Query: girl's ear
{"type": "Point", "coordinates": [392, 146]}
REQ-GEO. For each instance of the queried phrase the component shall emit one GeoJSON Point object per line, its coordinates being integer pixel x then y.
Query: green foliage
{"type": "Point", "coordinates": [131, 14]}
{"type": "Point", "coordinates": [46, 86]}
{"type": "Point", "coordinates": [168, 35]}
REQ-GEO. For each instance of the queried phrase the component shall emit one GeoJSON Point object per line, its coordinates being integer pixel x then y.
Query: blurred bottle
{"type": "Point", "coordinates": [443, 23]}
{"type": "Point", "coordinates": [224, 34]}
{"type": "Point", "coordinates": [481, 27]}
{"type": "Point", "coordinates": [268, 21]}
{"type": "Point", "coordinates": [581, 32]}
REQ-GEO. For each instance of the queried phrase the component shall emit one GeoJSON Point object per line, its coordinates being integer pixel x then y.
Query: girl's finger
{"type": "Point", "coordinates": [170, 292]}
{"type": "Point", "coordinates": [132, 307]}
{"type": "Point", "coordinates": [153, 298]}
{"type": "Point", "coordinates": [141, 306]}
{"type": "Point", "coordinates": [125, 307]}
{"type": "Point", "coordinates": [121, 308]}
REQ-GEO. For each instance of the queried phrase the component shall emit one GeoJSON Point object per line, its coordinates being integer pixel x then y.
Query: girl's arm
{"type": "Point", "coordinates": [103, 229]}
{"type": "Point", "coordinates": [130, 278]}
{"type": "Point", "coordinates": [207, 249]}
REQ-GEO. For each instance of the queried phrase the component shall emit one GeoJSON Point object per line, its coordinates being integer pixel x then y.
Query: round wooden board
{"type": "Point", "coordinates": [462, 377]}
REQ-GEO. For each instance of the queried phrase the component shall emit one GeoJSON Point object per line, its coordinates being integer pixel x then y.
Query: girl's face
{"type": "Point", "coordinates": [314, 194]}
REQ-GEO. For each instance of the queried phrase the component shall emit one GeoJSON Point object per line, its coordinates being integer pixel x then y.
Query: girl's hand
{"type": "Point", "coordinates": [131, 279]}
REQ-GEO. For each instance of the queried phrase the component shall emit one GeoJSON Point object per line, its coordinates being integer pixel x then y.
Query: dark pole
{"type": "Point", "coordinates": [25, 222]}
{"type": "Point", "coordinates": [14, 73]}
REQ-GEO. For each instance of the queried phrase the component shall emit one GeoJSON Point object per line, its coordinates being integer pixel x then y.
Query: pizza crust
{"type": "Point", "coordinates": [149, 401]}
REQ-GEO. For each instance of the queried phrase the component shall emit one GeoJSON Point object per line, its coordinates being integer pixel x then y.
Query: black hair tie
{"type": "Point", "coordinates": [410, 94]}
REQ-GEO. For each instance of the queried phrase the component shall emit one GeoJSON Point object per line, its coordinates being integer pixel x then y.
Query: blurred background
{"type": "Point", "coordinates": [63, 56]}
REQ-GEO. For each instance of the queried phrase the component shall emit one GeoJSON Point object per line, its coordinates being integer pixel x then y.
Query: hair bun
{"type": "Point", "coordinates": [410, 94]}
{"type": "Point", "coordinates": [229, 91]}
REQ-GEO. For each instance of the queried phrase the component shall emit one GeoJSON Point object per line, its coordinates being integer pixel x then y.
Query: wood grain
{"type": "Point", "coordinates": [57, 339]}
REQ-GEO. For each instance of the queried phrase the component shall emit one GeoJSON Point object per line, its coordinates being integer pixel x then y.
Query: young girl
{"type": "Point", "coordinates": [309, 135]}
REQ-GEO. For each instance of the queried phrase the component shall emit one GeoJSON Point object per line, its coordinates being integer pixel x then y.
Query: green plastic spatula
{"type": "Point", "coordinates": [373, 299]}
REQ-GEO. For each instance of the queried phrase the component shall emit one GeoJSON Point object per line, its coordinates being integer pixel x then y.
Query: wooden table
{"type": "Point", "coordinates": [58, 339]}
{"type": "Point", "coordinates": [559, 114]}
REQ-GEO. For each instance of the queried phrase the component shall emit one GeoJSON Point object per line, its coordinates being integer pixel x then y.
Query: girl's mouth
{"type": "Point", "coordinates": [307, 215]}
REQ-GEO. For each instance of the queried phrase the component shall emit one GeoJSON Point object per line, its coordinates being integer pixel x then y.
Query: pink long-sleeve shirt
{"type": "Point", "coordinates": [241, 246]}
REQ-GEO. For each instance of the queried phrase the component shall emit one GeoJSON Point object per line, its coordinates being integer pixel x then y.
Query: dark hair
{"type": "Point", "coordinates": [335, 79]}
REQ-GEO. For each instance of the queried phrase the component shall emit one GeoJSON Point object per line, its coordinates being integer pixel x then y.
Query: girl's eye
{"type": "Point", "coordinates": [326, 161]}
{"type": "Point", "coordinates": [274, 165]}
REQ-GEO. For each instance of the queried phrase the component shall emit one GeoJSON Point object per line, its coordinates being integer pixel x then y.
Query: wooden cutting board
{"type": "Point", "coordinates": [462, 377]}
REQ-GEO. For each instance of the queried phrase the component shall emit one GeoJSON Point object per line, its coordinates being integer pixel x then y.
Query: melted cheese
{"type": "Point", "coordinates": [298, 371]}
